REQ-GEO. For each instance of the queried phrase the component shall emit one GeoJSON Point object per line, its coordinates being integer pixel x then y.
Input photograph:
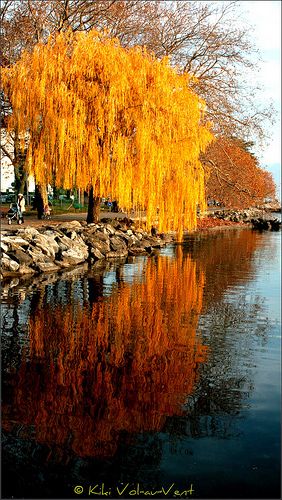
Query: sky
{"type": "Point", "coordinates": [265, 18]}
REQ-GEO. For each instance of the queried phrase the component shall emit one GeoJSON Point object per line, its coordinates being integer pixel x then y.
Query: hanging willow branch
{"type": "Point", "coordinates": [121, 120]}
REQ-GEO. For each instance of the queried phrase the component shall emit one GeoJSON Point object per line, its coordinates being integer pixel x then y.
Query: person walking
{"type": "Point", "coordinates": [21, 206]}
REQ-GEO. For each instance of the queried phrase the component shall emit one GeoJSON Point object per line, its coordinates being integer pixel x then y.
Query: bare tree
{"type": "Point", "coordinates": [209, 40]}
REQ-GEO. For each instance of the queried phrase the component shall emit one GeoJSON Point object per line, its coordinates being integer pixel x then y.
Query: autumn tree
{"type": "Point", "coordinates": [234, 176]}
{"type": "Point", "coordinates": [111, 120]}
{"type": "Point", "coordinates": [209, 40]}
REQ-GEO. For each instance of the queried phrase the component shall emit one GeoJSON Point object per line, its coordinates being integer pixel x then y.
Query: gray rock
{"type": "Point", "coordinates": [122, 227]}
{"type": "Point", "coordinates": [37, 255]}
{"type": "Point", "coordinates": [20, 256]}
{"type": "Point", "coordinates": [48, 245]}
{"type": "Point", "coordinates": [14, 239]}
{"type": "Point", "coordinates": [133, 240]}
{"type": "Point", "coordinates": [63, 263]}
{"type": "Point", "coordinates": [52, 248]}
{"type": "Point", "coordinates": [74, 255]}
{"type": "Point", "coordinates": [99, 241]}
{"type": "Point", "coordinates": [117, 244]}
{"type": "Point", "coordinates": [46, 267]}
{"type": "Point", "coordinates": [139, 235]}
{"type": "Point", "coordinates": [9, 264]}
{"type": "Point", "coordinates": [96, 254]}
{"type": "Point", "coordinates": [24, 269]}
{"type": "Point", "coordinates": [72, 235]}
{"type": "Point", "coordinates": [123, 235]}
{"type": "Point", "coordinates": [28, 233]}
{"type": "Point", "coordinates": [136, 250]}
{"type": "Point", "coordinates": [64, 243]}
{"type": "Point", "coordinates": [102, 246]}
{"type": "Point", "coordinates": [117, 254]}
{"type": "Point", "coordinates": [69, 226]}
{"type": "Point", "coordinates": [110, 229]}
{"type": "Point", "coordinates": [3, 246]}
{"type": "Point", "coordinates": [102, 236]}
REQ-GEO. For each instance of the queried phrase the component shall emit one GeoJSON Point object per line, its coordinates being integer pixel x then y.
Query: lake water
{"type": "Point", "coordinates": [147, 378]}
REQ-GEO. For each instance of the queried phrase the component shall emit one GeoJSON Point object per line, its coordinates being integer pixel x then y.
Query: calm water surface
{"type": "Point", "coordinates": [155, 374]}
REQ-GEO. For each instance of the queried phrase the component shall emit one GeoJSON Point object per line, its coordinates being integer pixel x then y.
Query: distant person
{"type": "Point", "coordinates": [154, 231]}
{"type": "Point", "coordinates": [21, 206]}
{"type": "Point", "coordinates": [115, 206]}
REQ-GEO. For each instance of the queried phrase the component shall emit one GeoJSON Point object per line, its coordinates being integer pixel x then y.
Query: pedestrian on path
{"type": "Point", "coordinates": [21, 206]}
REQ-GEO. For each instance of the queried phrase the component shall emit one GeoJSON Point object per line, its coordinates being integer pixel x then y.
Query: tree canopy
{"type": "Point", "coordinates": [234, 176]}
{"type": "Point", "coordinates": [118, 120]}
{"type": "Point", "coordinates": [210, 40]}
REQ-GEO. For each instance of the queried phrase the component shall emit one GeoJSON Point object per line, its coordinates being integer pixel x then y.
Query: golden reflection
{"type": "Point", "coordinates": [123, 363]}
{"type": "Point", "coordinates": [226, 258]}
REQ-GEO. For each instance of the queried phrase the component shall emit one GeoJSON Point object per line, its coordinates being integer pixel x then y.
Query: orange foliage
{"type": "Point", "coordinates": [225, 257]}
{"type": "Point", "coordinates": [124, 363]}
{"type": "Point", "coordinates": [235, 177]}
{"type": "Point", "coordinates": [117, 119]}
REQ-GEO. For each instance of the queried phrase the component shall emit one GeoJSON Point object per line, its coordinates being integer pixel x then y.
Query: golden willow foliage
{"type": "Point", "coordinates": [124, 363]}
{"type": "Point", "coordinates": [117, 119]}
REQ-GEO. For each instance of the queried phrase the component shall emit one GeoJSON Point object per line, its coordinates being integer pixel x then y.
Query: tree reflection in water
{"type": "Point", "coordinates": [121, 363]}
{"type": "Point", "coordinates": [128, 364]}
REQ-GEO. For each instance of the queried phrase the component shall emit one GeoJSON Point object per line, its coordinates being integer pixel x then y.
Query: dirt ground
{"type": "Point", "coordinates": [31, 220]}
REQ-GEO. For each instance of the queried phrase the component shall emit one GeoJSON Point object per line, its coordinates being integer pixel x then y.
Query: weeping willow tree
{"type": "Point", "coordinates": [111, 121]}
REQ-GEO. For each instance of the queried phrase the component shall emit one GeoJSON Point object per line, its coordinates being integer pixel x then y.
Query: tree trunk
{"type": "Point", "coordinates": [19, 164]}
{"type": "Point", "coordinates": [41, 199]}
{"type": "Point", "coordinates": [93, 212]}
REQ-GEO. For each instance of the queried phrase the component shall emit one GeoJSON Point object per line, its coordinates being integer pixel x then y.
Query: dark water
{"type": "Point", "coordinates": [137, 379]}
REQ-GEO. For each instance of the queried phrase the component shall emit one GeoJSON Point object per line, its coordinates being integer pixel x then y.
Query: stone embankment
{"type": "Point", "coordinates": [51, 248]}
{"type": "Point", "coordinates": [256, 218]}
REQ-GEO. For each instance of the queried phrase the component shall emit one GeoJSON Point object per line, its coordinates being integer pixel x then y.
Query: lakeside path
{"type": "Point", "coordinates": [32, 220]}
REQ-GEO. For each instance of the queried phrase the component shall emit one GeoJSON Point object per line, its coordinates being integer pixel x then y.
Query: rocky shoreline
{"type": "Point", "coordinates": [254, 217]}
{"type": "Point", "coordinates": [52, 248]}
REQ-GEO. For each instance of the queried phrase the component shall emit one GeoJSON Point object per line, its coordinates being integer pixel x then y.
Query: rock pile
{"type": "Point", "coordinates": [258, 219]}
{"type": "Point", "coordinates": [55, 247]}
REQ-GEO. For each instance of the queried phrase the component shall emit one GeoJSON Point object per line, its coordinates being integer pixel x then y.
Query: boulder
{"type": "Point", "coordinates": [95, 254]}
{"type": "Point", "coordinates": [110, 229]}
{"type": "Point", "coordinates": [37, 255]}
{"type": "Point", "coordinates": [133, 240]}
{"type": "Point", "coordinates": [136, 250]}
{"type": "Point", "coordinates": [19, 255]}
{"type": "Point", "coordinates": [102, 236]}
{"type": "Point", "coordinates": [260, 224]}
{"type": "Point", "coordinates": [47, 244]}
{"type": "Point", "coordinates": [122, 235]}
{"type": "Point", "coordinates": [99, 241]}
{"type": "Point", "coordinates": [24, 269]}
{"type": "Point", "coordinates": [28, 233]}
{"type": "Point", "coordinates": [46, 267]}
{"type": "Point", "coordinates": [69, 226]}
{"type": "Point", "coordinates": [9, 264]}
{"type": "Point", "coordinates": [51, 248]}
{"type": "Point", "coordinates": [117, 254]}
{"type": "Point", "coordinates": [117, 244]}
{"type": "Point", "coordinates": [74, 255]}
{"type": "Point", "coordinates": [15, 239]}
{"type": "Point", "coordinates": [3, 246]}
{"type": "Point", "coordinates": [275, 224]}
{"type": "Point", "coordinates": [64, 243]}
